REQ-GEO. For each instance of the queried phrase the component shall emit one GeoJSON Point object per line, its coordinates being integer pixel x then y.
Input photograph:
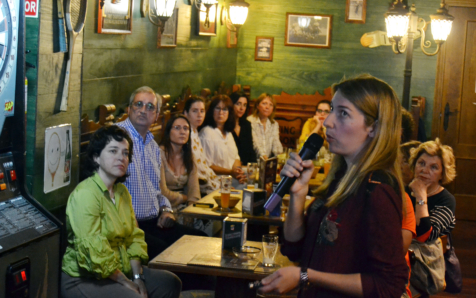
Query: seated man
{"type": "Point", "coordinates": [153, 211]}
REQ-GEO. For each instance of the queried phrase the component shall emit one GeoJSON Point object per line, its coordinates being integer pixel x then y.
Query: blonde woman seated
{"type": "Point", "coordinates": [179, 181]}
{"type": "Point", "coordinates": [265, 130]}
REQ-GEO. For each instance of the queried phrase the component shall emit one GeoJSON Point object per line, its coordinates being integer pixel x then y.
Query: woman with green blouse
{"type": "Point", "coordinates": [106, 249]}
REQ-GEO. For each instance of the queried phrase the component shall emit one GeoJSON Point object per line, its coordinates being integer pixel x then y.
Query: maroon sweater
{"type": "Point", "coordinates": [361, 235]}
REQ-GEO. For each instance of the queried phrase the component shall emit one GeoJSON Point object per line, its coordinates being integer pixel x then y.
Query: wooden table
{"type": "Point", "coordinates": [230, 282]}
{"type": "Point", "coordinates": [210, 213]}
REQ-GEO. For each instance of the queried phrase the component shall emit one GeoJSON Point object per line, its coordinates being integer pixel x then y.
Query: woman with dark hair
{"type": "Point", "coordinates": [311, 126]}
{"type": "Point", "coordinates": [349, 242]}
{"type": "Point", "coordinates": [179, 181]}
{"type": "Point", "coordinates": [194, 110]}
{"type": "Point", "coordinates": [264, 128]}
{"type": "Point", "coordinates": [105, 247]}
{"type": "Point", "coordinates": [242, 132]}
{"type": "Point", "coordinates": [217, 140]}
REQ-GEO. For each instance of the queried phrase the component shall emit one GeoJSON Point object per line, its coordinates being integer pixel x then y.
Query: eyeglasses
{"type": "Point", "coordinates": [323, 111]}
{"type": "Point", "coordinates": [149, 107]}
{"type": "Point", "coordinates": [178, 127]}
{"type": "Point", "coordinates": [218, 109]}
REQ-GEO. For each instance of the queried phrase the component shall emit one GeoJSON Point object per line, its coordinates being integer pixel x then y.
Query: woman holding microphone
{"type": "Point", "coordinates": [349, 243]}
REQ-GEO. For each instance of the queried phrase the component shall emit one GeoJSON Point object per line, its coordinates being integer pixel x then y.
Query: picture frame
{"type": "Point", "coordinates": [211, 28]}
{"type": "Point", "coordinates": [315, 30]}
{"type": "Point", "coordinates": [168, 39]}
{"type": "Point", "coordinates": [231, 39]}
{"type": "Point", "coordinates": [115, 17]}
{"type": "Point", "coordinates": [355, 11]}
{"type": "Point", "coordinates": [264, 48]}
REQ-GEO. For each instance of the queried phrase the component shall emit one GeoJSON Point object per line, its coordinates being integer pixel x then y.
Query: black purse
{"type": "Point", "coordinates": [453, 276]}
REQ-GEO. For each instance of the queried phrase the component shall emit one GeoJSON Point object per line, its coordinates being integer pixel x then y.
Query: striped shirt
{"type": "Point", "coordinates": [143, 181]}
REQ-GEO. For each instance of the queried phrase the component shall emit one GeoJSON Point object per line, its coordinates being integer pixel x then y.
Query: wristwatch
{"type": "Point", "coordinates": [138, 276]}
{"type": "Point", "coordinates": [421, 202]}
{"type": "Point", "coordinates": [166, 209]}
{"type": "Point", "coordinates": [304, 278]}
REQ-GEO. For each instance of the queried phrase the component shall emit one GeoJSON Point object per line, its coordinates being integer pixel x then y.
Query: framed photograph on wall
{"type": "Point", "coordinates": [115, 16]}
{"type": "Point", "coordinates": [168, 39]}
{"type": "Point", "coordinates": [264, 48]}
{"type": "Point", "coordinates": [355, 11]}
{"type": "Point", "coordinates": [207, 27]}
{"type": "Point", "coordinates": [231, 39]}
{"type": "Point", "coordinates": [308, 30]}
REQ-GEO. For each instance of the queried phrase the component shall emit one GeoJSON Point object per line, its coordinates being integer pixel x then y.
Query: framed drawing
{"type": "Point", "coordinates": [264, 48]}
{"type": "Point", "coordinates": [308, 30]}
{"type": "Point", "coordinates": [115, 16]}
{"type": "Point", "coordinates": [207, 26]}
{"type": "Point", "coordinates": [168, 39]}
{"type": "Point", "coordinates": [355, 11]}
{"type": "Point", "coordinates": [231, 39]}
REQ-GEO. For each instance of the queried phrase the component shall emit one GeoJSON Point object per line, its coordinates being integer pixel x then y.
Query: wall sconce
{"type": "Point", "coordinates": [236, 16]}
{"type": "Point", "coordinates": [159, 11]}
{"type": "Point", "coordinates": [402, 26]}
{"type": "Point", "coordinates": [208, 4]}
{"type": "Point", "coordinates": [304, 22]}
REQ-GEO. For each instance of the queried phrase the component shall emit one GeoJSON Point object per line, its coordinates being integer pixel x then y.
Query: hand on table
{"type": "Point", "coordinates": [238, 173]}
{"type": "Point", "coordinates": [166, 220]}
{"type": "Point", "coordinates": [282, 281]}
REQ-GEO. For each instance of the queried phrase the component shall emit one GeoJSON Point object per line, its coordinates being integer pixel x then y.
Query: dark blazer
{"type": "Point", "coordinates": [244, 142]}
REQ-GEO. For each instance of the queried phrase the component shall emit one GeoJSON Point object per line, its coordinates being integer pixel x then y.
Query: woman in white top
{"type": "Point", "coordinates": [217, 140]}
{"type": "Point", "coordinates": [194, 110]}
{"type": "Point", "coordinates": [265, 129]}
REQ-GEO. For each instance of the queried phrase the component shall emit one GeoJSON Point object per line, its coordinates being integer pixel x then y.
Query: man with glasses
{"type": "Point", "coordinates": [153, 210]}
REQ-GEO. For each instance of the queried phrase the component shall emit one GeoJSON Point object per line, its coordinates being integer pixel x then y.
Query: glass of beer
{"type": "Point", "coordinates": [270, 249]}
{"type": "Point", "coordinates": [225, 189]}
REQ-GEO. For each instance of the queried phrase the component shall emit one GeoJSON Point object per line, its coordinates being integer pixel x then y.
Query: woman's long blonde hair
{"type": "Point", "coordinates": [381, 108]}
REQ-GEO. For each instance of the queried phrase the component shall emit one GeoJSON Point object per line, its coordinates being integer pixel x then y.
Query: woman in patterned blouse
{"type": "Point", "coordinates": [265, 129]}
{"type": "Point", "coordinates": [194, 110]}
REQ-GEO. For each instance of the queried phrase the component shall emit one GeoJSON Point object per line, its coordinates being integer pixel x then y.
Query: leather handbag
{"type": "Point", "coordinates": [428, 269]}
{"type": "Point", "coordinates": [453, 276]}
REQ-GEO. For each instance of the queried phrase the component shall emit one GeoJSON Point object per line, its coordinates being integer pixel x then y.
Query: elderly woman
{"type": "Point", "coordinates": [265, 129]}
{"type": "Point", "coordinates": [349, 242]}
{"type": "Point", "coordinates": [434, 166]}
{"type": "Point", "coordinates": [105, 247]}
{"type": "Point", "coordinates": [242, 132]}
{"type": "Point", "coordinates": [217, 140]}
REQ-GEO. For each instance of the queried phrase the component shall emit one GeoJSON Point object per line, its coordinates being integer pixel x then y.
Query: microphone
{"type": "Point", "coordinates": [308, 151]}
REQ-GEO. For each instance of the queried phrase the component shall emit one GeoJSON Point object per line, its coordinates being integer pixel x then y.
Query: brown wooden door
{"type": "Point", "coordinates": [454, 122]}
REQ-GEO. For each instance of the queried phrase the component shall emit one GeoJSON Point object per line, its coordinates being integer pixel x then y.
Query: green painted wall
{"type": "Point", "coordinates": [307, 70]}
{"type": "Point", "coordinates": [115, 65]}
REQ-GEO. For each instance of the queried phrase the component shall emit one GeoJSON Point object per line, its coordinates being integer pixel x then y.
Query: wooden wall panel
{"type": "Point", "coordinates": [307, 70]}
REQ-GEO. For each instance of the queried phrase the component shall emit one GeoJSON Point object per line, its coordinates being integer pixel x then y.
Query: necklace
{"type": "Point", "coordinates": [429, 194]}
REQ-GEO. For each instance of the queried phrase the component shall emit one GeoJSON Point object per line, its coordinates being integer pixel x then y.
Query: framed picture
{"type": "Point", "coordinates": [168, 39]}
{"type": "Point", "coordinates": [308, 30]}
{"type": "Point", "coordinates": [115, 16]}
{"type": "Point", "coordinates": [207, 27]}
{"type": "Point", "coordinates": [355, 11]}
{"type": "Point", "coordinates": [231, 39]}
{"type": "Point", "coordinates": [264, 48]}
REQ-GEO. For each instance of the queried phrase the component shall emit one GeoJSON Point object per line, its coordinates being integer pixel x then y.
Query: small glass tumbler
{"type": "Point", "coordinates": [225, 190]}
{"type": "Point", "coordinates": [270, 249]}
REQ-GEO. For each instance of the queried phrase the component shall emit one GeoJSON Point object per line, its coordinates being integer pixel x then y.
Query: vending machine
{"type": "Point", "coordinates": [29, 234]}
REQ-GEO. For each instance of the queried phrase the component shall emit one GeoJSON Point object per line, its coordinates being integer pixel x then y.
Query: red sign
{"type": "Point", "coordinates": [31, 8]}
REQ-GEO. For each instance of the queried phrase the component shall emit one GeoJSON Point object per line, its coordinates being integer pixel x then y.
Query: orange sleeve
{"type": "Point", "coordinates": [409, 221]}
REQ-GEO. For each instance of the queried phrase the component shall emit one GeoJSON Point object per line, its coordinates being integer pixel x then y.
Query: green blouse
{"type": "Point", "coordinates": [102, 236]}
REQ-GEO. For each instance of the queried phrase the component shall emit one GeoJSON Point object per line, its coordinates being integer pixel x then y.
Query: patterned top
{"type": "Point", "coordinates": [265, 142]}
{"type": "Point", "coordinates": [144, 174]}
{"type": "Point", "coordinates": [220, 151]}
{"type": "Point", "coordinates": [102, 236]}
{"type": "Point", "coordinates": [173, 186]}
{"type": "Point", "coordinates": [207, 177]}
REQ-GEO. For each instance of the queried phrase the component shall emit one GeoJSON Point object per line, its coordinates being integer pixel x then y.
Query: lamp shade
{"type": "Point", "coordinates": [163, 8]}
{"type": "Point", "coordinates": [397, 19]}
{"type": "Point", "coordinates": [441, 23]}
{"type": "Point", "coordinates": [238, 12]}
{"type": "Point", "coordinates": [304, 22]}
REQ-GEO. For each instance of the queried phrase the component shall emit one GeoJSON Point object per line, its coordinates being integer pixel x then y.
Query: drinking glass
{"type": "Point", "coordinates": [252, 172]}
{"type": "Point", "coordinates": [270, 248]}
{"type": "Point", "coordinates": [225, 189]}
